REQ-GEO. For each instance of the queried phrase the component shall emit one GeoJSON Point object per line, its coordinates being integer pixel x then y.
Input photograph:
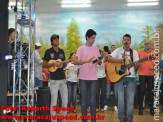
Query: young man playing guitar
{"type": "Point", "coordinates": [57, 78]}
{"type": "Point", "coordinates": [125, 87]}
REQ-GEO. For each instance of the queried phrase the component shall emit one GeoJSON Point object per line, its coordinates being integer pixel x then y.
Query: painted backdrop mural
{"type": "Point", "coordinates": [109, 25]}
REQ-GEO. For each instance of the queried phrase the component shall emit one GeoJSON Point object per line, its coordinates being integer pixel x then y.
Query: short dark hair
{"type": "Point", "coordinates": [106, 49]}
{"type": "Point", "coordinates": [89, 33]}
{"type": "Point", "coordinates": [10, 31]}
{"type": "Point", "coordinates": [54, 36]}
{"type": "Point", "coordinates": [71, 55]}
{"type": "Point", "coordinates": [127, 35]}
{"type": "Point", "coordinates": [112, 45]}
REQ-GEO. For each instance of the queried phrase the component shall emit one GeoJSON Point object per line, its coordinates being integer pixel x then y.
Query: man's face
{"type": "Point", "coordinates": [126, 40]}
{"type": "Point", "coordinates": [39, 50]}
{"type": "Point", "coordinates": [147, 45]}
{"type": "Point", "coordinates": [55, 42]}
{"type": "Point", "coordinates": [112, 48]}
{"type": "Point", "coordinates": [91, 40]}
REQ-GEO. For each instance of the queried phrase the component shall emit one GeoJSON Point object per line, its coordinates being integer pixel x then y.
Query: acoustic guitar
{"type": "Point", "coordinates": [116, 71]}
{"type": "Point", "coordinates": [53, 69]}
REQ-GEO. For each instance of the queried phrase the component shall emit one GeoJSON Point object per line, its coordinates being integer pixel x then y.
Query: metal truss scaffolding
{"type": "Point", "coordinates": [23, 71]}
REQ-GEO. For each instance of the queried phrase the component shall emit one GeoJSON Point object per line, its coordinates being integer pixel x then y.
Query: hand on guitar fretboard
{"type": "Point", "coordinates": [55, 64]}
{"type": "Point", "coordinates": [58, 64]}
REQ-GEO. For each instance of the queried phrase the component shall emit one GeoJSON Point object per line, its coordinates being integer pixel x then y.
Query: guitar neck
{"type": "Point", "coordinates": [133, 63]}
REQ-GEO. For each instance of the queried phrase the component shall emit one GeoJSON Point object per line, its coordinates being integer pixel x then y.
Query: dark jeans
{"type": "Point", "coordinates": [72, 93]}
{"type": "Point", "coordinates": [101, 90]}
{"type": "Point", "coordinates": [38, 82]}
{"type": "Point", "coordinates": [108, 87]}
{"type": "Point", "coordinates": [136, 97]}
{"type": "Point", "coordinates": [150, 83]}
{"type": "Point", "coordinates": [115, 95]}
{"type": "Point", "coordinates": [88, 86]}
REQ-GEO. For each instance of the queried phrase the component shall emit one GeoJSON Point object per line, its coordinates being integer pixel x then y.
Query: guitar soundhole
{"type": "Point", "coordinates": [122, 71]}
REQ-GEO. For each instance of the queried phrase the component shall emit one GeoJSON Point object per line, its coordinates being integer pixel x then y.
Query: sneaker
{"type": "Point", "coordinates": [111, 93]}
{"type": "Point", "coordinates": [115, 109]}
{"type": "Point", "coordinates": [105, 107]}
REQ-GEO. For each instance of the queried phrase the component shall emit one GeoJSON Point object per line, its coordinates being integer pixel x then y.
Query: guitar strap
{"type": "Point", "coordinates": [131, 54]}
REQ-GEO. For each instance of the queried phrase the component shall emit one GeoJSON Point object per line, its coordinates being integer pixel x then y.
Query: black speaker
{"type": "Point", "coordinates": [43, 100]}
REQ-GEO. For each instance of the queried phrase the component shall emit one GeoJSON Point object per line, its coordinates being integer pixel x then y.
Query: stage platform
{"type": "Point", "coordinates": [111, 116]}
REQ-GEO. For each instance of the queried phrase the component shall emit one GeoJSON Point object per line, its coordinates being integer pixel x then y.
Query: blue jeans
{"type": "Point", "coordinates": [38, 82]}
{"type": "Point", "coordinates": [115, 96]}
{"type": "Point", "coordinates": [108, 89]}
{"type": "Point", "coordinates": [72, 93]}
{"type": "Point", "coordinates": [130, 90]}
{"type": "Point", "coordinates": [88, 86]}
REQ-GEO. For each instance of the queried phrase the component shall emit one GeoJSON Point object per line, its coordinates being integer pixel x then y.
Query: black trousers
{"type": "Point", "coordinates": [101, 92]}
{"type": "Point", "coordinates": [150, 85]}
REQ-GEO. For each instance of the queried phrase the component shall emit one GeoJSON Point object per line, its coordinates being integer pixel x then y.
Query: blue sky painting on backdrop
{"type": "Point", "coordinates": [109, 25]}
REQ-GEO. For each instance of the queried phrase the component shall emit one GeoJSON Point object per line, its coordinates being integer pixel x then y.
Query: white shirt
{"type": "Point", "coordinates": [37, 64]}
{"type": "Point", "coordinates": [101, 70]}
{"type": "Point", "coordinates": [72, 72]}
{"type": "Point", "coordinates": [118, 53]}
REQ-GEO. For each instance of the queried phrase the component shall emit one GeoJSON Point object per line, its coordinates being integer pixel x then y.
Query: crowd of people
{"type": "Point", "coordinates": [88, 68]}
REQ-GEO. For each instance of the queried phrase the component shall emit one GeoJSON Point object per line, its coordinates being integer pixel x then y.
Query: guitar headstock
{"type": "Point", "coordinates": [153, 56]}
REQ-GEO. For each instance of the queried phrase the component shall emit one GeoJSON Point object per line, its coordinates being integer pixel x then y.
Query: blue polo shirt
{"type": "Point", "coordinates": [161, 67]}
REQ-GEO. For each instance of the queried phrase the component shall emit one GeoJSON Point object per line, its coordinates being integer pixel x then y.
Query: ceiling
{"type": "Point", "coordinates": [53, 6]}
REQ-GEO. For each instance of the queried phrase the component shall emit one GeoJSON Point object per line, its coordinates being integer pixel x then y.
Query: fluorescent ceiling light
{"type": "Point", "coordinates": [13, 4]}
{"type": "Point", "coordinates": [143, 4]}
{"type": "Point", "coordinates": [76, 1]}
{"type": "Point", "coordinates": [75, 5]}
{"type": "Point", "coordinates": [143, 0]}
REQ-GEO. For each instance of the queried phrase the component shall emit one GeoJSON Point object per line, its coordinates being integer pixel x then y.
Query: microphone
{"type": "Point", "coordinates": [126, 43]}
{"type": "Point", "coordinates": [97, 59]}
